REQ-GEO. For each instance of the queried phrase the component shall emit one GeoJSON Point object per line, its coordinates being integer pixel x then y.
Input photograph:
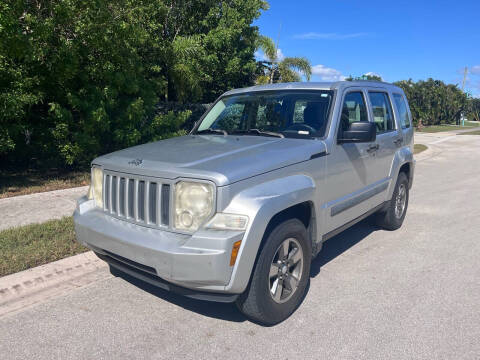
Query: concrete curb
{"type": "Point", "coordinates": [35, 285]}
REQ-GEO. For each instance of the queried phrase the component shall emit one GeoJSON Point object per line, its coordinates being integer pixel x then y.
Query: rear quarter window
{"type": "Point", "coordinates": [402, 110]}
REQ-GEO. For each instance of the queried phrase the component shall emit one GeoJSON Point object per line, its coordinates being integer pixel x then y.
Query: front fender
{"type": "Point", "coordinates": [260, 203]}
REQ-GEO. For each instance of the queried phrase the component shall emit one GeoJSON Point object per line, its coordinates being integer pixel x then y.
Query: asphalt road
{"type": "Point", "coordinates": [374, 294]}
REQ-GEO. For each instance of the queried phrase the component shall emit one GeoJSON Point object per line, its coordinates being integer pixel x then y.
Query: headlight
{"type": "Point", "coordinates": [193, 204]}
{"type": "Point", "coordinates": [97, 185]}
{"type": "Point", "coordinates": [228, 222]}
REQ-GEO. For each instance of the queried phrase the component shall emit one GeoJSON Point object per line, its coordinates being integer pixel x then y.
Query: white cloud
{"type": "Point", "coordinates": [330, 36]}
{"type": "Point", "coordinates": [326, 73]}
{"type": "Point", "coordinates": [371, 73]}
{"type": "Point", "coordinates": [475, 70]}
{"type": "Point", "coordinates": [260, 55]}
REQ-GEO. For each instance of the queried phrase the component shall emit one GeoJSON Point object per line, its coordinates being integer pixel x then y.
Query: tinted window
{"type": "Point", "coordinates": [402, 110]}
{"type": "Point", "coordinates": [353, 109]}
{"type": "Point", "coordinates": [382, 111]}
{"type": "Point", "coordinates": [291, 113]}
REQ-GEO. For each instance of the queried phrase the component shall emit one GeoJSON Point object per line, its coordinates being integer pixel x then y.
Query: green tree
{"type": "Point", "coordinates": [275, 70]}
{"type": "Point", "coordinates": [473, 109]}
{"type": "Point", "coordinates": [371, 77]}
{"type": "Point", "coordinates": [432, 102]}
{"type": "Point", "coordinates": [81, 78]}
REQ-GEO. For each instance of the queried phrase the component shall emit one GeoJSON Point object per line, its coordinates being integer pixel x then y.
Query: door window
{"type": "Point", "coordinates": [382, 111]}
{"type": "Point", "coordinates": [353, 110]}
{"type": "Point", "coordinates": [402, 111]}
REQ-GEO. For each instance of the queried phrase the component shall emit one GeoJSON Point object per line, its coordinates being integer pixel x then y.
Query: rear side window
{"type": "Point", "coordinates": [402, 111]}
{"type": "Point", "coordinates": [382, 111]}
{"type": "Point", "coordinates": [353, 109]}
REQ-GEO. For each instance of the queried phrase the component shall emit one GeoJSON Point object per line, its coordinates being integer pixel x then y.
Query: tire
{"type": "Point", "coordinates": [392, 218]}
{"type": "Point", "coordinates": [258, 302]}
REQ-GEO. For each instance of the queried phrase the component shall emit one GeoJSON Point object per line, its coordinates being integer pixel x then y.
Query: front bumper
{"type": "Point", "coordinates": [197, 262]}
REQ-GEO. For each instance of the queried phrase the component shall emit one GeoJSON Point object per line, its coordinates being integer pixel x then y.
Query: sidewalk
{"type": "Point", "coordinates": [39, 207]}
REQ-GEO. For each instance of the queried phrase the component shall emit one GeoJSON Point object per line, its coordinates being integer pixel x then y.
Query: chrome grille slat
{"type": "Point", "coordinates": [110, 182]}
{"type": "Point", "coordinates": [135, 199]}
{"type": "Point", "coordinates": [159, 206]}
{"type": "Point", "coordinates": [106, 186]}
{"type": "Point", "coordinates": [138, 199]}
{"type": "Point", "coordinates": [146, 206]}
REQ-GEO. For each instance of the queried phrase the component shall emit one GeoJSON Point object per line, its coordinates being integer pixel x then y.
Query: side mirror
{"type": "Point", "coordinates": [359, 132]}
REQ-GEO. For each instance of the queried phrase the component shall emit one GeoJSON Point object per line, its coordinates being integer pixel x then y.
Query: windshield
{"type": "Point", "coordinates": [275, 113]}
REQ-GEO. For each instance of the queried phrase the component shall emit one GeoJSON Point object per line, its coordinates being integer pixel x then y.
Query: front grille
{"type": "Point", "coordinates": [137, 199]}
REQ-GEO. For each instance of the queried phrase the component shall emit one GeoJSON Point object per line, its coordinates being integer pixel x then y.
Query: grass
{"type": "Point", "coordinates": [418, 148]}
{"type": "Point", "coordinates": [441, 128]}
{"type": "Point", "coordinates": [28, 246]}
{"type": "Point", "coordinates": [476, 132]}
{"type": "Point", "coordinates": [14, 183]}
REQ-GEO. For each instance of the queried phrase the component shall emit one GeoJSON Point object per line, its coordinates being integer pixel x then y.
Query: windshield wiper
{"type": "Point", "coordinates": [258, 133]}
{"type": "Point", "coordinates": [212, 131]}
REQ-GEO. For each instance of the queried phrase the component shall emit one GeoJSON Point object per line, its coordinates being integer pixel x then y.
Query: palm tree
{"type": "Point", "coordinates": [276, 70]}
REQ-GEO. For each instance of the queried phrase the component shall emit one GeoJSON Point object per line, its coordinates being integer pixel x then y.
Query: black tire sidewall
{"type": "Point", "coordinates": [391, 221]}
{"type": "Point", "coordinates": [271, 311]}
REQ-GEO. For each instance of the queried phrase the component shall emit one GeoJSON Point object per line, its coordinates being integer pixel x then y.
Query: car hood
{"type": "Point", "coordinates": [222, 159]}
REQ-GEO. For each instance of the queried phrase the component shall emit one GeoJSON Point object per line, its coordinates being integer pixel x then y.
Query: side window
{"type": "Point", "coordinates": [382, 111]}
{"type": "Point", "coordinates": [353, 110]}
{"type": "Point", "coordinates": [402, 110]}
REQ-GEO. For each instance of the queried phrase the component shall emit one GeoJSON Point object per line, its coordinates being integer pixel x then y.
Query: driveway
{"type": "Point", "coordinates": [374, 294]}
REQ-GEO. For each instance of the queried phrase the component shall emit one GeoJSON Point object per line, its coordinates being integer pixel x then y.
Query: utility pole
{"type": "Point", "coordinates": [465, 72]}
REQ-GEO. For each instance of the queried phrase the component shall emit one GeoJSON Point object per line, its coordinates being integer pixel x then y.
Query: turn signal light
{"type": "Point", "coordinates": [235, 248]}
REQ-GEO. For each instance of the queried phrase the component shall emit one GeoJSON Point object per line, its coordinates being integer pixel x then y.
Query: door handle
{"type": "Point", "coordinates": [398, 142]}
{"type": "Point", "coordinates": [373, 148]}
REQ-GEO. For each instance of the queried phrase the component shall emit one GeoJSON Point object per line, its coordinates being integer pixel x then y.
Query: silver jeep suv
{"type": "Point", "coordinates": [237, 209]}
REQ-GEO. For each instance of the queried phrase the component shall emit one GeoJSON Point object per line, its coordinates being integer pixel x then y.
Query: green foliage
{"type": "Point", "coordinates": [432, 102]}
{"type": "Point", "coordinates": [82, 78]}
{"type": "Point", "coordinates": [370, 77]}
{"type": "Point", "coordinates": [473, 109]}
{"type": "Point", "coordinates": [275, 70]}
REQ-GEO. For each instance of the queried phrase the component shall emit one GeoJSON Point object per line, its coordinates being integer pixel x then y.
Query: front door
{"type": "Point", "coordinates": [348, 167]}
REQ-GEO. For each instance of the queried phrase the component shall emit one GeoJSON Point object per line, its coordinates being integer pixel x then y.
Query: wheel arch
{"type": "Point", "coordinates": [402, 162]}
{"type": "Point", "coordinates": [268, 204]}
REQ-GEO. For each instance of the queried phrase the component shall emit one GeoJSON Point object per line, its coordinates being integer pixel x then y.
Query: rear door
{"type": "Point", "coordinates": [404, 119]}
{"type": "Point", "coordinates": [389, 137]}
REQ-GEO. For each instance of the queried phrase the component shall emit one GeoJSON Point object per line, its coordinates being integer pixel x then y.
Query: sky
{"type": "Point", "coordinates": [397, 40]}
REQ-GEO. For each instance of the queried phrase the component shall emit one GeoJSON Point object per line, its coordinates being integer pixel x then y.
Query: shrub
{"type": "Point", "coordinates": [82, 78]}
